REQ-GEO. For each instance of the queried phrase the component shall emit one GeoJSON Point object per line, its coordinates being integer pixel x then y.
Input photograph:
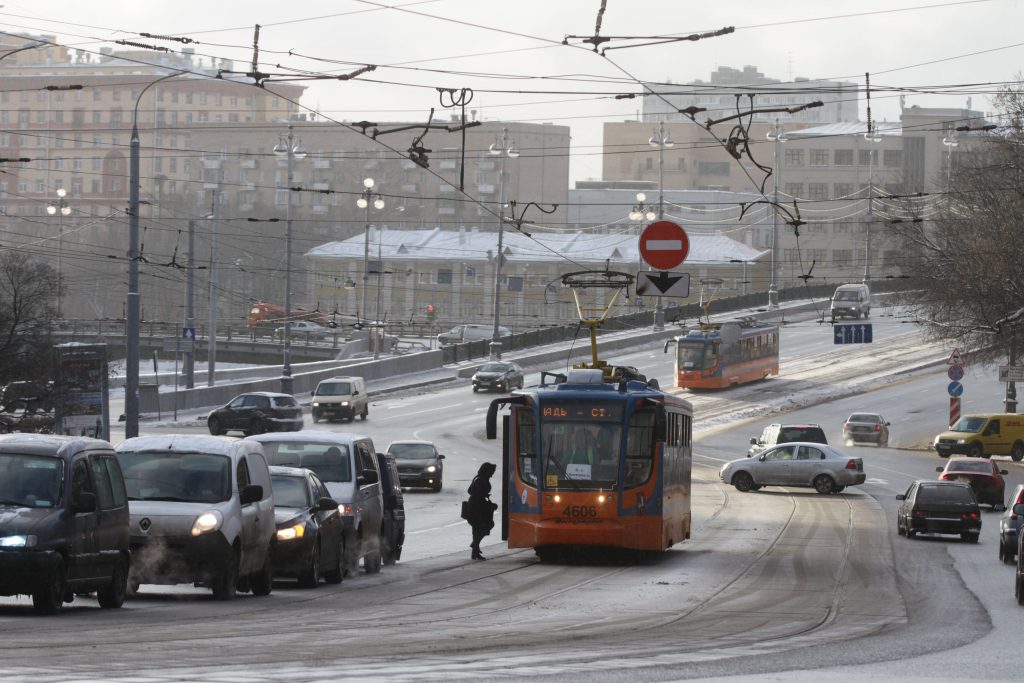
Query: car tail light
{"type": "Point", "coordinates": [878, 428]}
{"type": "Point", "coordinates": [846, 425]}
{"type": "Point", "coordinates": [1013, 516]}
{"type": "Point", "coordinates": [851, 464]}
{"type": "Point", "coordinates": [944, 477]}
{"type": "Point", "coordinates": [918, 513]}
{"type": "Point", "coordinates": [969, 515]}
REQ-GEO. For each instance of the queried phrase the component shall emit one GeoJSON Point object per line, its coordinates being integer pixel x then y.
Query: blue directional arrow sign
{"type": "Point", "coordinates": [955, 389]}
{"type": "Point", "coordinates": [852, 333]}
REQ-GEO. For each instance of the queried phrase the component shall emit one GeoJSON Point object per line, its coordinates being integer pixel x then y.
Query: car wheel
{"type": "Point", "coordinates": [476, 389]}
{"type": "Point", "coordinates": [909, 529]}
{"type": "Point", "coordinates": [838, 489]}
{"type": "Point", "coordinates": [974, 451]}
{"type": "Point", "coordinates": [337, 572]}
{"type": "Point", "coordinates": [113, 594]}
{"type": "Point", "coordinates": [883, 444]}
{"type": "Point", "coordinates": [1017, 452]}
{"type": "Point", "coordinates": [262, 582]}
{"type": "Point", "coordinates": [224, 587]}
{"type": "Point", "coordinates": [48, 598]}
{"type": "Point", "coordinates": [316, 418]}
{"type": "Point", "coordinates": [309, 577]}
{"type": "Point", "coordinates": [256, 427]}
{"type": "Point", "coordinates": [824, 484]}
{"type": "Point", "coordinates": [365, 413]}
{"type": "Point", "coordinates": [1019, 588]}
{"type": "Point", "coordinates": [899, 527]}
{"type": "Point", "coordinates": [437, 487]}
{"type": "Point", "coordinates": [1007, 553]}
{"type": "Point", "coordinates": [372, 562]}
{"type": "Point", "coordinates": [743, 482]}
{"type": "Point", "coordinates": [215, 427]}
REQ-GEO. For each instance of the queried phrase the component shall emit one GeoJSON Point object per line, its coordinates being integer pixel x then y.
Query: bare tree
{"type": "Point", "coordinates": [969, 259]}
{"type": "Point", "coordinates": [27, 298]}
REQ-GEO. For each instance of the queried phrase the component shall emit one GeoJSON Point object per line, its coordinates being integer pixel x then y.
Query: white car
{"type": "Point", "coordinates": [301, 328]}
{"type": "Point", "coordinates": [800, 463]}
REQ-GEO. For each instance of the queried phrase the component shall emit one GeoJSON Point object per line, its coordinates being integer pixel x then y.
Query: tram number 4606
{"type": "Point", "coordinates": [579, 511]}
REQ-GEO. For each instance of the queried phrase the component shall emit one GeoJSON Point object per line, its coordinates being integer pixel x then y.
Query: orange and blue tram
{"type": "Point", "coordinates": [594, 463]}
{"type": "Point", "coordinates": [726, 354]}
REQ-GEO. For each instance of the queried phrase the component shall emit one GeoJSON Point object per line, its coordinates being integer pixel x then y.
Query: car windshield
{"type": "Point", "coordinates": [945, 494]}
{"type": "Point", "coordinates": [182, 477]}
{"type": "Point", "coordinates": [494, 367]}
{"type": "Point", "coordinates": [334, 389]}
{"type": "Point", "coordinates": [846, 296]}
{"type": "Point", "coordinates": [968, 424]}
{"type": "Point", "coordinates": [983, 466]}
{"type": "Point", "coordinates": [865, 417]}
{"type": "Point", "coordinates": [411, 451]}
{"type": "Point", "coordinates": [806, 433]}
{"type": "Point", "coordinates": [289, 491]}
{"type": "Point", "coordinates": [330, 461]}
{"type": "Point", "coordinates": [32, 481]}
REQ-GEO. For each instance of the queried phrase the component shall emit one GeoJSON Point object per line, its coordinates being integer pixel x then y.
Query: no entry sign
{"type": "Point", "coordinates": [664, 245]}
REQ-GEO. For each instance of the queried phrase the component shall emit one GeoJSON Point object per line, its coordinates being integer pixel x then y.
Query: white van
{"type": "Point", "coordinates": [347, 465]}
{"type": "Point", "coordinates": [851, 300]}
{"type": "Point", "coordinates": [340, 398]}
{"type": "Point", "coordinates": [202, 512]}
{"type": "Point", "coordinates": [468, 333]}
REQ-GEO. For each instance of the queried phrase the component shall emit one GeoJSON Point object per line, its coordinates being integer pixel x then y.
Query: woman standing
{"type": "Point", "coordinates": [481, 509]}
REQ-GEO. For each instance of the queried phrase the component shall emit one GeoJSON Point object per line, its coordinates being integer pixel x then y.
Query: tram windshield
{"type": "Point", "coordinates": [696, 356]}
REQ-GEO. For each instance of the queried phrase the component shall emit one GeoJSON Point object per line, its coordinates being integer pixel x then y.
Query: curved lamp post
{"type": "Point", "coordinates": [62, 208]}
{"type": "Point", "coordinates": [504, 151]}
{"type": "Point", "coordinates": [287, 147]}
{"type": "Point", "coordinates": [367, 198]}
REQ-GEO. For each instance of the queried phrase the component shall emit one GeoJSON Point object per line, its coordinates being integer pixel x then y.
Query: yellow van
{"type": "Point", "coordinates": [984, 435]}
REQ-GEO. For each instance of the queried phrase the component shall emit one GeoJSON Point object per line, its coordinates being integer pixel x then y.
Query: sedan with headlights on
{"type": "Point", "coordinates": [308, 544]}
{"type": "Point", "coordinates": [419, 463]}
{"type": "Point", "coordinates": [823, 467]}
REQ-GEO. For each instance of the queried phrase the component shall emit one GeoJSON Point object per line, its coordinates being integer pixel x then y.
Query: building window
{"type": "Point", "coordinates": [844, 157]}
{"type": "Point", "coordinates": [842, 190]}
{"type": "Point", "coordinates": [842, 257]}
{"type": "Point", "coordinates": [794, 157]}
{"type": "Point", "coordinates": [714, 168]}
{"type": "Point", "coordinates": [864, 157]}
{"type": "Point", "coordinates": [819, 157]}
{"type": "Point", "coordinates": [444, 276]}
{"type": "Point", "coordinates": [892, 158]}
{"type": "Point", "coordinates": [794, 190]}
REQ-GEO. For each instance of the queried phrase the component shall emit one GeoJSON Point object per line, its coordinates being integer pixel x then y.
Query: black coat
{"type": "Point", "coordinates": [481, 509]}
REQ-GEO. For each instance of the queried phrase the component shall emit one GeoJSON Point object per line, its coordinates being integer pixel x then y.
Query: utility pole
{"type": "Point", "coordinates": [211, 346]}
{"type": "Point", "coordinates": [190, 312]}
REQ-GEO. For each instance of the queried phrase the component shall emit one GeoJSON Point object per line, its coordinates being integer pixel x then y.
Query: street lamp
{"type": "Point", "coordinates": [777, 136]}
{"type": "Point", "coordinates": [132, 304]}
{"type": "Point", "coordinates": [870, 136]}
{"type": "Point", "coordinates": [63, 209]}
{"type": "Point", "coordinates": [504, 151]}
{"type": "Point", "coordinates": [366, 198]}
{"type": "Point", "coordinates": [660, 140]}
{"type": "Point", "coordinates": [287, 147]}
{"type": "Point", "coordinates": [641, 210]}
{"type": "Point", "coordinates": [950, 141]}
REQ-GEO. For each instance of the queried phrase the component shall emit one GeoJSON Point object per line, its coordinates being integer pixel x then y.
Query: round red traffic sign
{"type": "Point", "coordinates": [664, 245]}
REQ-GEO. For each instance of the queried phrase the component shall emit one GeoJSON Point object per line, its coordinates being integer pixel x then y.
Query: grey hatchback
{"type": "Point", "coordinates": [795, 464]}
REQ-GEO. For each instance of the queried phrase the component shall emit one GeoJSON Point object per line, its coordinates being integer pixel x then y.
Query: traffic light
{"type": "Point", "coordinates": [431, 313]}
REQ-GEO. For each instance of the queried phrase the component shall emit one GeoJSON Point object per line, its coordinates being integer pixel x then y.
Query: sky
{"type": "Point", "coordinates": [511, 55]}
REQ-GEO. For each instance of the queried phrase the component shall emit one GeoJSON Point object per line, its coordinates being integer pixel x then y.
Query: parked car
{"type": "Point", "coordinates": [63, 520]}
{"type": "Point", "coordinates": [824, 467]}
{"type": "Point", "coordinates": [419, 463]}
{"type": "Point", "coordinates": [1019, 576]}
{"type": "Point", "coordinates": [308, 544]}
{"type": "Point", "coordinates": [468, 333]}
{"type": "Point", "coordinates": [866, 427]}
{"type": "Point", "coordinates": [1010, 524]}
{"type": "Point", "coordinates": [202, 512]}
{"type": "Point", "coordinates": [983, 476]}
{"type": "Point", "coordinates": [347, 466]}
{"type": "Point", "coordinates": [393, 529]}
{"type": "Point", "coordinates": [26, 396]}
{"type": "Point", "coordinates": [256, 413]}
{"type": "Point", "coordinates": [498, 376]}
{"type": "Point", "coordinates": [340, 398]}
{"type": "Point", "coordinates": [983, 435]}
{"type": "Point", "coordinates": [939, 507]}
{"type": "Point", "coordinates": [851, 300]}
{"type": "Point", "coordinates": [775, 434]}
{"type": "Point", "coordinates": [305, 328]}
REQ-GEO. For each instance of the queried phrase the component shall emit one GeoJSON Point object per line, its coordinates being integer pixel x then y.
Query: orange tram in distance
{"type": "Point", "coordinates": [722, 355]}
{"type": "Point", "coordinates": [594, 463]}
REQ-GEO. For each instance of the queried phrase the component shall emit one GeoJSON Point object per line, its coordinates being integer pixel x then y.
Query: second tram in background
{"type": "Point", "coordinates": [726, 354]}
{"type": "Point", "coordinates": [595, 462]}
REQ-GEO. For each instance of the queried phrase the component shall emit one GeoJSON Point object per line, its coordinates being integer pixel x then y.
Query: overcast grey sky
{"type": "Point", "coordinates": [511, 53]}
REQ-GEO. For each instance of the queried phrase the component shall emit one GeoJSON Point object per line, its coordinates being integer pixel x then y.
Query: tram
{"type": "Point", "coordinates": [592, 462]}
{"type": "Point", "coordinates": [719, 355]}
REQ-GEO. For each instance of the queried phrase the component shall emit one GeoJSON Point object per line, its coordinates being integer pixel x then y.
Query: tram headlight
{"type": "Point", "coordinates": [601, 498]}
{"type": "Point", "coordinates": [558, 498]}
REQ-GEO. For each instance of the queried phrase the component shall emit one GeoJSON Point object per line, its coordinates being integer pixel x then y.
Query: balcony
{"type": "Point", "coordinates": [446, 210]}
{"type": "Point", "coordinates": [485, 166]}
{"type": "Point", "coordinates": [321, 186]}
{"type": "Point", "coordinates": [247, 163]}
{"type": "Point", "coordinates": [245, 207]}
{"type": "Point", "coordinates": [211, 164]}
{"type": "Point", "coordinates": [443, 189]}
{"type": "Point", "coordinates": [320, 208]}
{"type": "Point", "coordinates": [485, 189]}
{"type": "Point", "coordinates": [321, 163]}
{"type": "Point", "coordinates": [448, 164]}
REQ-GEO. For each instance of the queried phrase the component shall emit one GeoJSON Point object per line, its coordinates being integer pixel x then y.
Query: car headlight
{"type": "Point", "coordinates": [18, 541]}
{"type": "Point", "coordinates": [207, 522]}
{"type": "Point", "coordinates": [316, 404]}
{"type": "Point", "coordinates": [292, 532]}
{"type": "Point", "coordinates": [961, 442]}
{"type": "Point", "coordinates": [431, 468]}
{"type": "Point", "coordinates": [344, 404]}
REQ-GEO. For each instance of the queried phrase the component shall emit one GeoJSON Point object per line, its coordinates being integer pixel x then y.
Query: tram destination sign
{"type": "Point", "coordinates": [582, 412]}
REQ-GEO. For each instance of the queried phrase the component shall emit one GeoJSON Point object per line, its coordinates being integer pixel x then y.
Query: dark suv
{"type": "Point", "coordinates": [256, 413]}
{"type": "Point", "coordinates": [393, 527]}
{"type": "Point", "coordinates": [774, 434]}
{"type": "Point", "coordinates": [63, 520]}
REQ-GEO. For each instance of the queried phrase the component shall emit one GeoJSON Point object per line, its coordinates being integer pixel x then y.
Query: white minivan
{"type": "Point", "coordinates": [468, 333]}
{"type": "Point", "coordinates": [202, 512]}
{"type": "Point", "coordinates": [340, 398]}
{"type": "Point", "coordinates": [851, 300]}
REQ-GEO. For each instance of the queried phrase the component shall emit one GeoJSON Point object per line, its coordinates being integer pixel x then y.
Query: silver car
{"type": "Point", "coordinates": [823, 467]}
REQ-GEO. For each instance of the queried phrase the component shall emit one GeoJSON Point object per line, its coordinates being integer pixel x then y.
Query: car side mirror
{"type": "Point", "coordinates": [753, 441]}
{"type": "Point", "coordinates": [251, 494]}
{"type": "Point", "coordinates": [440, 457]}
{"type": "Point", "coordinates": [84, 502]}
{"type": "Point", "coordinates": [326, 504]}
{"type": "Point", "coordinates": [761, 458]}
{"type": "Point", "coordinates": [900, 496]}
{"type": "Point", "coordinates": [1004, 472]}
{"type": "Point", "coordinates": [1018, 509]}
{"type": "Point", "coordinates": [939, 469]}
{"type": "Point", "coordinates": [366, 478]}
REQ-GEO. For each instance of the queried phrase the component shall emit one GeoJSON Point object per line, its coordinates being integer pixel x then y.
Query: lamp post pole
{"type": "Point", "coordinates": [212, 295]}
{"type": "Point", "coordinates": [61, 208]}
{"type": "Point", "coordinates": [775, 136]}
{"type": "Point", "coordinates": [504, 151]}
{"type": "Point", "coordinates": [950, 141]}
{"type": "Point", "coordinates": [870, 136]}
{"type": "Point", "coordinates": [292, 151]}
{"type": "Point", "coordinates": [661, 141]}
{"type": "Point", "coordinates": [365, 199]}
{"type": "Point", "coordinates": [132, 303]}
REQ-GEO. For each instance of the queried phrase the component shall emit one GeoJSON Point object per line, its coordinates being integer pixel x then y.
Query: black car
{"type": "Point", "coordinates": [308, 543]}
{"type": "Point", "coordinates": [498, 376]}
{"type": "Point", "coordinates": [256, 413]}
{"type": "Point", "coordinates": [64, 520]}
{"type": "Point", "coordinates": [939, 507]}
{"type": "Point", "coordinates": [393, 526]}
{"type": "Point", "coordinates": [775, 434]}
{"type": "Point", "coordinates": [1010, 524]}
{"type": "Point", "coordinates": [419, 464]}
